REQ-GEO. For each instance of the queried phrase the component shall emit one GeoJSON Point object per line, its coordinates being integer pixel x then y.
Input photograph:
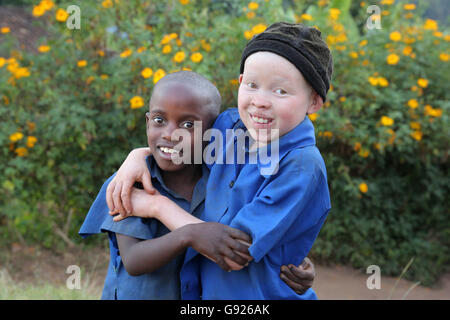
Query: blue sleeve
{"type": "Point", "coordinates": [291, 206]}
{"type": "Point", "coordinates": [99, 220]}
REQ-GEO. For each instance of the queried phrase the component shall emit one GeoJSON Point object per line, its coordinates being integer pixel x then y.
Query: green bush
{"type": "Point", "coordinates": [71, 113]}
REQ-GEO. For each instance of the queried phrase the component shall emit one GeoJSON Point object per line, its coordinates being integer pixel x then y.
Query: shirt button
{"type": "Point", "coordinates": [231, 184]}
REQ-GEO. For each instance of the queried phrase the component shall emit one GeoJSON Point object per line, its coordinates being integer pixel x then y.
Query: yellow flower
{"type": "Point", "coordinates": [61, 15]}
{"type": "Point", "coordinates": [167, 49]}
{"type": "Point", "coordinates": [44, 48]}
{"type": "Point", "coordinates": [342, 99]}
{"type": "Point", "coordinates": [313, 116]}
{"type": "Point", "coordinates": [422, 82]}
{"type": "Point", "coordinates": [395, 36]}
{"type": "Point", "coordinates": [146, 73]}
{"type": "Point", "coordinates": [196, 57]}
{"type": "Point", "coordinates": [415, 125]}
{"type": "Point", "coordinates": [383, 82]}
{"type": "Point", "coordinates": [357, 146]}
{"type": "Point", "coordinates": [444, 57]}
{"type": "Point", "coordinates": [184, 2]}
{"type": "Point", "coordinates": [38, 10]}
{"type": "Point", "coordinates": [417, 135]}
{"type": "Point", "coordinates": [136, 102]}
{"type": "Point", "coordinates": [2, 61]}
{"type": "Point", "coordinates": [141, 49]}
{"type": "Point", "coordinates": [251, 14]}
{"type": "Point", "coordinates": [47, 4]}
{"type": "Point", "coordinates": [363, 43]}
{"type": "Point", "coordinates": [21, 151]}
{"type": "Point", "coordinates": [392, 58]}
{"type": "Point", "coordinates": [31, 141]}
{"type": "Point", "coordinates": [16, 136]}
{"type": "Point", "coordinates": [306, 17]}
{"type": "Point", "coordinates": [160, 73]}
{"type": "Point", "coordinates": [205, 45]}
{"type": "Point", "coordinates": [409, 6]}
{"type": "Point", "coordinates": [363, 187]}
{"type": "Point", "coordinates": [407, 50]}
{"type": "Point", "coordinates": [328, 134]}
{"type": "Point", "coordinates": [334, 13]}
{"type": "Point", "coordinates": [21, 72]}
{"type": "Point", "coordinates": [126, 53]}
{"type": "Point", "coordinates": [387, 2]}
{"type": "Point", "coordinates": [107, 4]}
{"type": "Point", "coordinates": [353, 54]}
{"type": "Point", "coordinates": [364, 153]}
{"type": "Point", "coordinates": [179, 56]}
{"type": "Point", "coordinates": [82, 63]}
{"type": "Point", "coordinates": [248, 34]}
{"type": "Point", "coordinates": [373, 81]}
{"type": "Point", "coordinates": [386, 121]}
{"type": "Point", "coordinates": [259, 28]}
{"type": "Point", "coordinates": [430, 24]}
{"type": "Point", "coordinates": [429, 111]}
{"type": "Point", "coordinates": [412, 103]}
{"type": "Point", "coordinates": [104, 76]}
{"type": "Point", "coordinates": [253, 6]}
{"type": "Point", "coordinates": [5, 30]}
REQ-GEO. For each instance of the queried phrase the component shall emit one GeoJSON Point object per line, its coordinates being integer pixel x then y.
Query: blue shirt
{"type": "Point", "coordinates": [163, 283]}
{"type": "Point", "coordinates": [283, 212]}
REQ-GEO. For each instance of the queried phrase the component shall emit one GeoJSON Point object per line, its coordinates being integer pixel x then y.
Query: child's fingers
{"type": "Point", "coordinates": [125, 196]}
{"type": "Point", "coordinates": [109, 192]}
{"type": "Point", "coordinates": [118, 218]}
{"type": "Point", "coordinates": [301, 274]}
{"type": "Point", "coordinates": [298, 288]}
{"type": "Point", "coordinates": [117, 198]}
{"type": "Point", "coordinates": [147, 184]}
{"type": "Point", "coordinates": [240, 235]}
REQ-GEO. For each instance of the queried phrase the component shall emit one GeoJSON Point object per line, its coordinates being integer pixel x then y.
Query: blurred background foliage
{"type": "Point", "coordinates": [73, 106]}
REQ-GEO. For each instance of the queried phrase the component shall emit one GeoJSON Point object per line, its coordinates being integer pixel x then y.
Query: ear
{"type": "Point", "coordinates": [316, 102]}
{"type": "Point", "coordinates": [146, 121]}
{"type": "Point", "coordinates": [240, 78]}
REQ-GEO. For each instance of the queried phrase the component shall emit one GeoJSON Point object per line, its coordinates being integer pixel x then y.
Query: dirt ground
{"type": "Point", "coordinates": [30, 265]}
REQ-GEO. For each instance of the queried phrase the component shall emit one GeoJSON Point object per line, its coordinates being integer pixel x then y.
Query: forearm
{"type": "Point", "coordinates": [173, 216]}
{"type": "Point", "coordinates": [140, 257]}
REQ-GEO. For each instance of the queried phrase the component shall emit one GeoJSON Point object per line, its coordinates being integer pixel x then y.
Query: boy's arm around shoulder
{"type": "Point", "coordinates": [292, 202]}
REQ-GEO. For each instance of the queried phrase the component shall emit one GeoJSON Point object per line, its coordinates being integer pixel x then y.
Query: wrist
{"type": "Point", "coordinates": [186, 235]}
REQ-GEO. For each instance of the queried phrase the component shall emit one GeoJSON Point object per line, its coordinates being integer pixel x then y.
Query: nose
{"type": "Point", "coordinates": [167, 131]}
{"type": "Point", "coordinates": [260, 100]}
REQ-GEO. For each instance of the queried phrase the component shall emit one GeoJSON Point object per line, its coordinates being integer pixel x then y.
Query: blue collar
{"type": "Point", "coordinates": [199, 191]}
{"type": "Point", "coordinates": [299, 137]}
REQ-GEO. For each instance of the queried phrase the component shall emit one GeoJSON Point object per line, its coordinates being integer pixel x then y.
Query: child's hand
{"type": "Point", "coordinates": [299, 278]}
{"type": "Point", "coordinates": [222, 244]}
{"type": "Point", "coordinates": [134, 169]}
{"type": "Point", "coordinates": [144, 205]}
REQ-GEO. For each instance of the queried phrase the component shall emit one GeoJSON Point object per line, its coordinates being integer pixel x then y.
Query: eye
{"type": "Point", "coordinates": [281, 92]}
{"type": "Point", "coordinates": [187, 124]}
{"type": "Point", "coordinates": [252, 85]}
{"type": "Point", "coordinates": [158, 120]}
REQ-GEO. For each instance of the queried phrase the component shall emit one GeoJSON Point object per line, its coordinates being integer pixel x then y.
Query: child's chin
{"type": "Point", "coordinates": [168, 165]}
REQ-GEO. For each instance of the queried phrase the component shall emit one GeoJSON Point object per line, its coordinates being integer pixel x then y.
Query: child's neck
{"type": "Point", "coordinates": [183, 181]}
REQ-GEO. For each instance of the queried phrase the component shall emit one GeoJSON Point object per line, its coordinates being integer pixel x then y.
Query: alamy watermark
{"type": "Point", "coordinates": [236, 147]}
{"type": "Point", "coordinates": [74, 280]}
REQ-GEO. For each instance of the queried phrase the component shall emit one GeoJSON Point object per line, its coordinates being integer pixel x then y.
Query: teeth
{"type": "Point", "coordinates": [260, 120]}
{"type": "Point", "coordinates": [168, 150]}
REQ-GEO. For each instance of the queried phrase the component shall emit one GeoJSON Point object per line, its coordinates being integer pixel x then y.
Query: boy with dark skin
{"type": "Point", "coordinates": [177, 102]}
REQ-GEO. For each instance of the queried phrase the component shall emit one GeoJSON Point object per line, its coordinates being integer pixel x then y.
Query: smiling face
{"type": "Point", "coordinates": [175, 106]}
{"type": "Point", "coordinates": [273, 95]}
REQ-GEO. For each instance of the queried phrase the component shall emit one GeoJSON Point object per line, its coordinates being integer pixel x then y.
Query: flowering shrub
{"type": "Point", "coordinates": [73, 110]}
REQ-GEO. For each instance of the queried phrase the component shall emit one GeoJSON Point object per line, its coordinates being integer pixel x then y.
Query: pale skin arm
{"type": "Point", "coordinates": [213, 243]}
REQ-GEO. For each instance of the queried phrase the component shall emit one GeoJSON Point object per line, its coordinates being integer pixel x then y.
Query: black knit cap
{"type": "Point", "coordinates": [302, 46]}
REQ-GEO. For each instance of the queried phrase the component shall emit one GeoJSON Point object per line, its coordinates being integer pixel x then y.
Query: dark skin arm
{"type": "Point", "coordinates": [144, 256]}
